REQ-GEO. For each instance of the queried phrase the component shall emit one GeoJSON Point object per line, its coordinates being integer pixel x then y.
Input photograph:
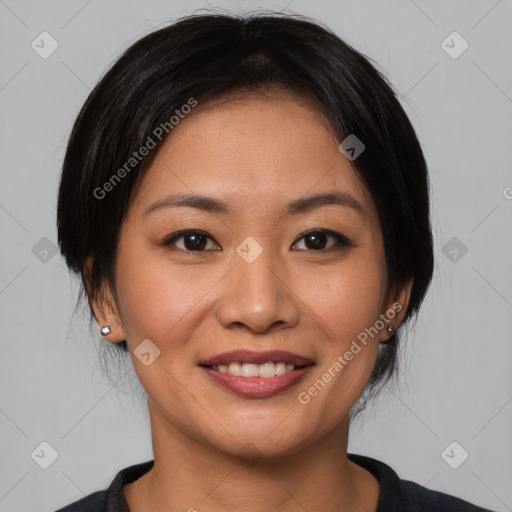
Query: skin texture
{"type": "Point", "coordinates": [256, 153]}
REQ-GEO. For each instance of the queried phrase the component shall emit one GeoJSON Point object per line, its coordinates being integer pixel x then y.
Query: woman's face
{"type": "Point", "coordinates": [248, 277]}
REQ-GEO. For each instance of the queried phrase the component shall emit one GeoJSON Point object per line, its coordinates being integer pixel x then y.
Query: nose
{"type": "Point", "coordinates": [257, 296]}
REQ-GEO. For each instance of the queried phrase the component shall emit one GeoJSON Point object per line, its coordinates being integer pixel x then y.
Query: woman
{"type": "Point", "coordinates": [247, 205]}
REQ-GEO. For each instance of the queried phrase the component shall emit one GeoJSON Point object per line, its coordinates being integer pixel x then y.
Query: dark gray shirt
{"type": "Point", "coordinates": [396, 495]}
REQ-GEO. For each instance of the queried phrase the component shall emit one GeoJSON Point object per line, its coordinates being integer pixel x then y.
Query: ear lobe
{"type": "Point", "coordinates": [104, 306]}
{"type": "Point", "coordinates": [107, 314]}
{"type": "Point", "coordinates": [397, 302]}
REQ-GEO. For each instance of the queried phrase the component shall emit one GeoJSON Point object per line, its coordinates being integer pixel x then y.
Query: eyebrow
{"type": "Point", "coordinates": [297, 206]}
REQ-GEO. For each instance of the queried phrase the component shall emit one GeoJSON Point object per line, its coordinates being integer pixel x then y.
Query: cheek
{"type": "Point", "coordinates": [347, 300]}
{"type": "Point", "coordinates": [156, 298]}
{"type": "Point", "coordinates": [344, 306]}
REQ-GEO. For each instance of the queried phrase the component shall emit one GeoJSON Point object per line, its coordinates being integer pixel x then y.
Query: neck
{"type": "Point", "coordinates": [190, 476]}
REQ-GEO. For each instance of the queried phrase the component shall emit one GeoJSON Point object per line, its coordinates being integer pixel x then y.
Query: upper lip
{"type": "Point", "coordinates": [251, 357]}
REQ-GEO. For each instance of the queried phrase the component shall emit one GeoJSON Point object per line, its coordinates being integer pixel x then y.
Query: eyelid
{"type": "Point", "coordinates": [341, 240]}
{"type": "Point", "coordinates": [179, 234]}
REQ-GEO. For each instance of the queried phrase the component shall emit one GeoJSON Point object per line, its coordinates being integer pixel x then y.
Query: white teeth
{"type": "Point", "coordinates": [280, 368]}
{"type": "Point", "coordinates": [249, 370]}
{"type": "Point", "coordinates": [266, 370]}
{"type": "Point", "coordinates": [235, 369]}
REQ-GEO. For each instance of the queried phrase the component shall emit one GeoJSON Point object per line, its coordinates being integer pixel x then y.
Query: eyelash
{"type": "Point", "coordinates": [341, 240]}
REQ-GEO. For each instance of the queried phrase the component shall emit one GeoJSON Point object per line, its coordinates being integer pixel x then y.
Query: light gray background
{"type": "Point", "coordinates": [456, 383]}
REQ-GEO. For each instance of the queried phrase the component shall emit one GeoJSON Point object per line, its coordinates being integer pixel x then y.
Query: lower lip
{"type": "Point", "coordinates": [257, 387]}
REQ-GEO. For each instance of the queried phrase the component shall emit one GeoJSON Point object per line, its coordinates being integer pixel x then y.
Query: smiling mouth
{"type": "Point", "coordinates": [256, 374]}
{"type": "Point", "coordinates": [266, 370]}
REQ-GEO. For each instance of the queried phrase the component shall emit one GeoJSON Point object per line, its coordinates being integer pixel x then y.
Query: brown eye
{"type": "Point", "coordinates": [319, 239]}
{"type": "Point", "coordinates": [192, 241]}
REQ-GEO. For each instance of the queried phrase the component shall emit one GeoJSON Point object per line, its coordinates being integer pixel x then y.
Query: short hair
{"type": "Point", "coordinates": [211, 56]}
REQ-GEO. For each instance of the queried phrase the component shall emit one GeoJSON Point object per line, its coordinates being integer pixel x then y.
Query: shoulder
{"type": "Point", "coordinates": [398, 495]}
{"type": "Point", "coordinates": [111, 499]}
{"type": "Point", "coordinates": [417, 497]}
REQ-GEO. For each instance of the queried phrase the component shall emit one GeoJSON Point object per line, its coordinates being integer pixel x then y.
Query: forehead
{"type": "Point", "coordinates": [253, 149]}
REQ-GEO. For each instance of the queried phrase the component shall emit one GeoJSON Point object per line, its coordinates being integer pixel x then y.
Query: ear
{"type": "Point", "coordinates": [104, 306]}
{"type": "Point", "coordinates": [395, 307]}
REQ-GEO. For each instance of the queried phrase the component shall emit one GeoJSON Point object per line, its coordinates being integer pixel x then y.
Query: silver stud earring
{"type": "Point", "coordinates": [390, 330]}
{"type": "Point", "coordinates": [106, 330]}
